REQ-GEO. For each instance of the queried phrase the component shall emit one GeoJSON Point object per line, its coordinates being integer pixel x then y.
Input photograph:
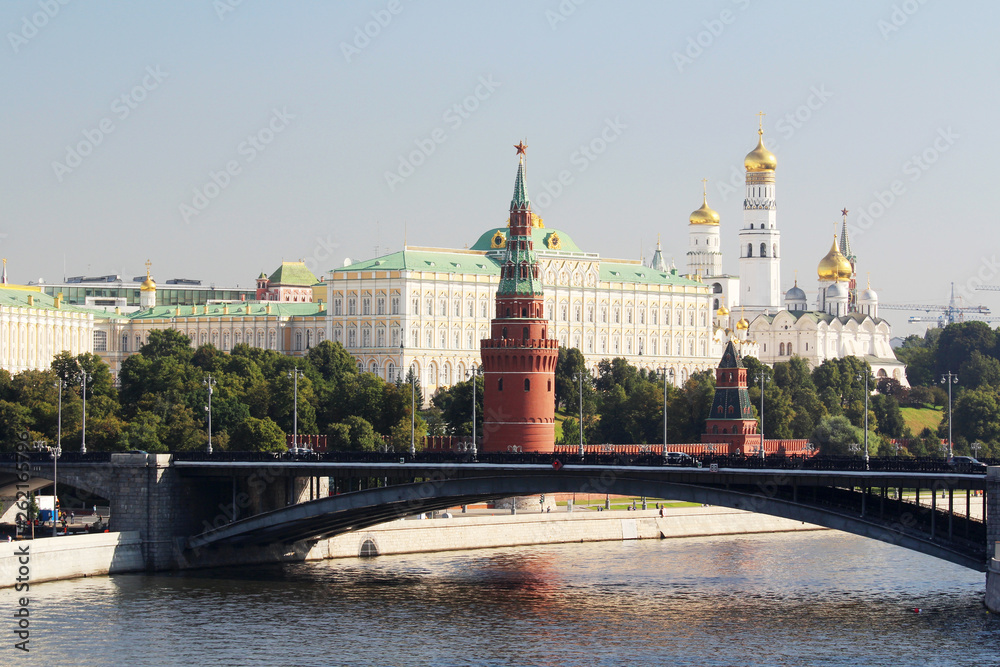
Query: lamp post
{"type": "Point", "coordinates": [761, 377]}
{"type": "Point", "coordinates": [949, 378]}
{"type": "Point", "coordinates": [667, 372]}
{"type": "Point", "coordinates": [210, 383]}
{"type": "Point", "coordinates": [84, 379]}
{"type": "Point", "coordinates": [473, 372]}
{"type": "Point", "coordinates": [295, 374]}
{"type": "Point", "coordinates": [866, 376]}
{"type": "Point", "coordinates": [54, 452]}
{"type": "Point", "coordinates": [975, 447]}
{"type": "Point", "coordinates": [579, 378]}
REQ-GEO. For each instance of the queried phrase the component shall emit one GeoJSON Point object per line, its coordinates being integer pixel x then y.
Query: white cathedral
{"type": "Point", "coordinates": [775, 326]}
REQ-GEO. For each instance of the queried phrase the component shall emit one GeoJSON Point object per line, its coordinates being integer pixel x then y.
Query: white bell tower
{"type": "Point", "coordinates": [760, 240]}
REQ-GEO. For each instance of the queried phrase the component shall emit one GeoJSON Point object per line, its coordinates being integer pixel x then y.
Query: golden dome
{"type": "Point", "coordinates": [834, 267]}
{"type": "Point", "coordinates": [743, 324]}
{"type": "Point", "coordinates": [704, 215]}
{"type": "Point", "coordinates": [148, 285]}
{"type": "Point", "coordinates": [722, 311]}
{"type": "Point", "coordinates": [760, 159]}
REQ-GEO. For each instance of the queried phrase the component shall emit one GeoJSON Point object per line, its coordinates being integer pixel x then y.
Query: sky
{"type": "Point", "coordinates": [216, 138]}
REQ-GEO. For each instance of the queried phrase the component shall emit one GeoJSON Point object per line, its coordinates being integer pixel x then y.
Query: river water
{"type": "Point", "coordinates": [821, 598]}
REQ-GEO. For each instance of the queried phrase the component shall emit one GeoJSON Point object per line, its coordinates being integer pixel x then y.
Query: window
{"type": "Point", "coordinates": [749, 250]}
{"type": "Point", "coordinates": [604, 313]}
{"type": "Point", "coordinates": [429, 306]}
{"type": "Point", "coordinates": [416, 306]}
{"type": "Point", "coordinates": [500, 384]}
{"type": "Point", "coordinates": [577, 314]}
{"type": "Point", "coordinates": [337, 306]}
{"type": "Point", "coordinates": [380, 306]}
{"type": "Point", "coordinates": [458, 308]}
{"type": "Point", "coordinates": [472, 307]}
{"type": "Point", "coordinates": [366, 306]}
{"type": "Point", "coordinates": [429, 338]}
{"type": "Point", "coordinates": [527, 384]}
{"type": "Point", "coordinates": [590, 313]}
{"type": "Point", "coordinates": [100, 341]}
{"type": "Point", "coordinates": [352, 337]}
{"type": "Point", "coordinates": [352, 306]}
{"type": "Point", "coordinates": [416, 338]}
{"type": "Point", "coordinates": [125, 342]}
{"type": "Point", "coordinates": [482, 308]}
{"type": "Point", "coordinates": [395, 305]}
{"type": "Point", "coordinates": [763, 250]}
{"type": "Point", "coordinates": [366, 337]}
{"type": "Point", "coordinates": [562, 313]}
{"type": "Point", "coordinates": [691, 317]}
{"type": "Point", "coordinates": [442, 307]}
{"type": "Point", "coordinates": [380, 337]}
{"type": "Point", "coordinates": [628, 315]}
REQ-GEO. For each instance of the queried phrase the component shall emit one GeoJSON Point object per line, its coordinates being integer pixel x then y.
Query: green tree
{"type": "Point", "coordinates": [888, 416]}
{"type": "Point", "coordinates": [835, 435]}
{"type": "Point", "coordinates": [258, 435]}
{"type": "Point", "coordinates": [980, 371]}
{"type": "Point", "coordinates": [975, 416]}
{"type": "Point", "coordinates": [569, 364]}
{"type": "Point", "coordinates": [958, 342]}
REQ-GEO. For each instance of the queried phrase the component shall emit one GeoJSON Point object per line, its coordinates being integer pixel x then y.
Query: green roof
{"type": "Point", "coordinates": [428, 260]}
{"type": "Point", "coordinates": [540, 238]}
{"type": "Point", "coordinates": [278, 309]}
{"type": "Point", "coordinates": [293, 273]}
{"type": "Point", "coordinates": [18, 298]}
{"type": "Point", "coordinates": [520, 199]}
{"type": "Point", "coordinates": [637, 273]}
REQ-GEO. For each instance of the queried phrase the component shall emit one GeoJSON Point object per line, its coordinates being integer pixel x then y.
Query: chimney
{"type": "Point", "coordinates": [57, 302]}
{"type": "Point", "coordinates": [225, 309]}
{"type": "Point", "coordinates": [31, 299]}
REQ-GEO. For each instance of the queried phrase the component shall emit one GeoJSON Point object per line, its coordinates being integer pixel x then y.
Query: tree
{"type": "Point", "coordinates": [14, 422]}
{"type": "Point", "coordinates": [975, 416]}
{"type": "Point", "coordinates": [980, 371]}
{"type": "Point", "coordinates": [958, 342]}
{"type": "Point", "coordinates": [835, 435]}
{"type": "Point", "coordinates": [167, 343]}
{"type": "Point", "coordinates": [360, 434]}
{"type": "Point", "coordinates": [258, 435]}
{"type": "Point", "coordinates": [455, 404]}
{"type": "Point", "coordinates": [569, 364]}
{"type": "Point", "coordinates": [888, 416]}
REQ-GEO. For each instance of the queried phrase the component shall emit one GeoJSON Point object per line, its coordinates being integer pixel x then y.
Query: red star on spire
{"type": "Point", "coordinates": [843, 212]}
{"type": "Point", "coordinates": [520, 147]}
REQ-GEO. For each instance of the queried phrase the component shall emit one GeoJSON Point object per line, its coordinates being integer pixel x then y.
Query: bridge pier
{"type": "Point", "coordinates": [992, 518]}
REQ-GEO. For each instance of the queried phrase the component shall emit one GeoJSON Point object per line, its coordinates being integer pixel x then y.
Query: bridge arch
{"type": "Point", "coordinates": [354, 511]}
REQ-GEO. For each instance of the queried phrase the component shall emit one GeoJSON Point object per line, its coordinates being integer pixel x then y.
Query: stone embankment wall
{"type": "Point", "coordinates": [70, 557]}
{"type": "Point", "coordinates": [480, 532]}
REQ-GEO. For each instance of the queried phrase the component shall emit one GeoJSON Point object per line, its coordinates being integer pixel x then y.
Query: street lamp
{"type": "Point", "coordinates": [866, 376]}
{"type": "Point", "coordinates": [295, 374]}
{"type": "Point", "coordinates": [54, 452]}
{"type": "Point", "coordinates": [579, 378]}
{"type": "Point", "coordinates": [949, 378]}
{"type": "Point", "coordinates": [667, 372]}
{"type": "Point", "coordinates": [210, 383]}
{"type": "Point", "coordinates": [473, 372]}
{"type": "Point", "coordinates": [761, 378]}
{"type": "Point", "coordinates": [84, 379]}
{"type": "Point", "coordinates": [975, 447]}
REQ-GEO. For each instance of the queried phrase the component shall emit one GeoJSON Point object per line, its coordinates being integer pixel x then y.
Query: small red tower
{"type": "Point", "coordinates": [731, 420]}
{"type": "Point", "coordinates": [519, 359]}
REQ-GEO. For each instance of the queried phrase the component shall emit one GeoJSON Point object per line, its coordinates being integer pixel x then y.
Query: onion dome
{"type": "Point", "coordinates": [704, 215]}
{"type": "Point", "coordinates": [743, 324]}
{"type": "Point", "coordinates": [834, 267]}
{"type": "Point", "coordinates": [760, 159]}
{"type": "Point", "coordinates": [836, 291]}
{"type": "Point", "coordinates": [796, 293]}
{"type": "Point", "coordinates": [722, 311]}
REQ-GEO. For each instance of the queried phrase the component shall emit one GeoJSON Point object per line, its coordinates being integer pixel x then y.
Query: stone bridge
{"type": "Point", "coordinates": [193, 513]}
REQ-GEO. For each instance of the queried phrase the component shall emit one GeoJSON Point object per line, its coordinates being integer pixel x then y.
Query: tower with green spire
{"type": "Point", "coordinates": [731, 420]}
{"type": "Point", "coordinates": [845, 250]}
{"type": "Point", "coordinates": [519, 359]}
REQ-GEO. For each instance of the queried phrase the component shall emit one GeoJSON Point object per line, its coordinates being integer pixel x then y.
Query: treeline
{"type": "Point", "coordinates": [623, 404]}
{"type": "Point", "coordinates": [970, 351]}
{"type": "Point", "coordinates": [161, 402]}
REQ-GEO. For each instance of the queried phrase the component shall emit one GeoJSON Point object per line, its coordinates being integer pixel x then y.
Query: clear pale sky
{"type": "Point", "coordinates": [665, 94]}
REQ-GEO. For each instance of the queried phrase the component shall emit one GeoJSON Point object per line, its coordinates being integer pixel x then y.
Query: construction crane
{"type": "Point", "coordinates": [989, 288]}
{"type": "Point", "coordinates": [948, 314]}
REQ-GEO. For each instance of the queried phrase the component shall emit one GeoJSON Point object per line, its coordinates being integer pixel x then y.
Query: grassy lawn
{"type": "Point", "coordinates": [920, 418]}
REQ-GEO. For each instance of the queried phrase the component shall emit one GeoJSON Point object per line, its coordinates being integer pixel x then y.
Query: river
{"type": "Point", "coordinates": [822, 598]}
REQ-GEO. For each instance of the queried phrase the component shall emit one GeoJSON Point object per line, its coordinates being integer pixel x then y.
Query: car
{"type": "Point", "coordinates": [679, 459]}
{"type": "Point", "coordinates": [966, 464]}
{"type": "Point", "coordinates": [299, 451]}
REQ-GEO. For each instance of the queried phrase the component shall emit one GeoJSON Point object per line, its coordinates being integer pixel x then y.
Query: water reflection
{"type": "Point", "coordinates": [816, 598]}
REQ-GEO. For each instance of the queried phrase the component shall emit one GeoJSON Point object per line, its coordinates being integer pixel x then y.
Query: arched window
{"type": "Point", "coordinates": [781, 349]}
{"type": "Point", "coordinates": [774, 250]}
{"type": "Point", "coordinates": [749, 250]}
{"type": "Point", "coordinates": [763, 250]}
{"type": "Point", "coordinates": [788, 349]}
{"type": "Point", "coordinates": [524, 333]}
{"type": "Point", "coordinates": [500, 384]}
{"type": "Point", "coordinates": [527, 384]}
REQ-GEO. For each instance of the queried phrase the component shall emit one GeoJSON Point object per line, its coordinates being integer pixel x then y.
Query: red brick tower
{"type": "Point", "coordinates": [519, 359]}
{"type": "Point", "coordinates": [731, 420]}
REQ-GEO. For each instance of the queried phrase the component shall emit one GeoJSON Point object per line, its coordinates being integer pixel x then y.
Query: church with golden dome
{"type": "Point", "coordinates": [751, 309]}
